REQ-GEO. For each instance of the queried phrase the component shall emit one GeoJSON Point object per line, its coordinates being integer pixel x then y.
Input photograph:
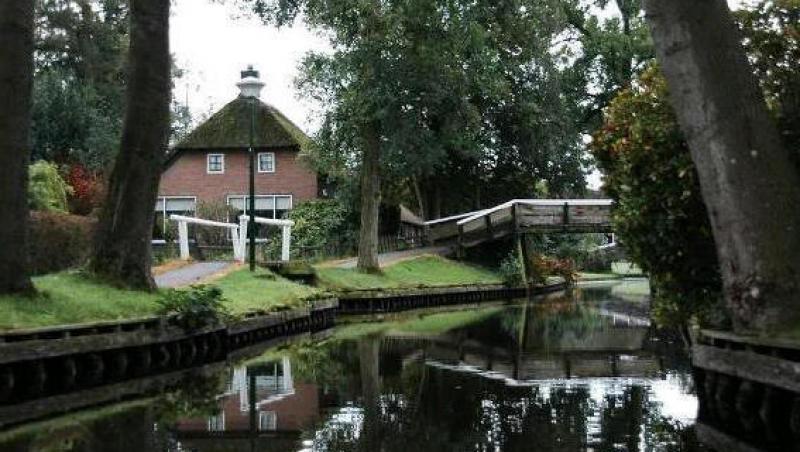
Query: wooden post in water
{"type": "Point", "coordinates": [460, 250]}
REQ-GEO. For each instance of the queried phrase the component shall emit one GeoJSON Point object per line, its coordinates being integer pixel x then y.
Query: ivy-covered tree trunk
{"type": "Point", "coordinates": [748, 182]}
{"type": "Point", "coordinates": [370, 199]}
{"type": "Point", "coordinates": [123, 250]}
{"type": "Point", "coordinates": [16, 80]}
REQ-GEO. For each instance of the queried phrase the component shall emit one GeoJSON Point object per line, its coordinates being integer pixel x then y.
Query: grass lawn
{"type": "Point", "coordinates": [423, 271]}
{"type": "Point", "coordinates": [263, 289]}
{"type": "Point", "coordinates": [69, 297]}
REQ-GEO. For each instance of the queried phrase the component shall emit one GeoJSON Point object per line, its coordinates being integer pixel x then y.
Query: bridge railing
{"type": "Point", "coordinates": [524, 215]}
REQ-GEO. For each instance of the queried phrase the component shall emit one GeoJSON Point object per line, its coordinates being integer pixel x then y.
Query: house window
{"type": "Point", "coordinates": [169, 205]}
{"type": "Point", "coordinates": [267, 206]}
{"type": "Point", "coordinates": [266, 162]}
{"type": "Point", "coordinates": [215, 163]}
{"type": "Point", "coordinates": [267, 421]}
{"type": "Point", "coordinates": [216, 423]}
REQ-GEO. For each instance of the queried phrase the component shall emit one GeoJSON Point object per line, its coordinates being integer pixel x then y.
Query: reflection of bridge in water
{"type": "Point", "coordinates": [613, 344]}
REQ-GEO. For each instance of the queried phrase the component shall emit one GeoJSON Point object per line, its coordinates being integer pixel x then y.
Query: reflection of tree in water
{"type": "Point", "coordinates": [426, 408]}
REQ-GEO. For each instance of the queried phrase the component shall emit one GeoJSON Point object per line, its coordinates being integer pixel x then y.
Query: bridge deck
{"type": "Point", "coordinates": [524, 216]}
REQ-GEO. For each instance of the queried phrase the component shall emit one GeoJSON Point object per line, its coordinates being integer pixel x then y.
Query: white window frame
{"type": "Point", "coordinates": [208, 163]}
{"type": "Point", "coordinates": [274, 162]}
{"type": "Point", "coordinates": [274, 201]}
{"type": "Point", "coordinates": [267, 421]}
{"type": "Point", "coordinates": [216, 423]}
{"type": "Point", "coordinates": [163, 210]}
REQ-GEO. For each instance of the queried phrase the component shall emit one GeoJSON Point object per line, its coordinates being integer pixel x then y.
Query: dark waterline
{"type": "Point", "coordinates": [572, 372]}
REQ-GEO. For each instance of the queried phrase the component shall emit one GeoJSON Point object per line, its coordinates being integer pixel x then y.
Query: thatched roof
{"type": "Point", "coordinates": [229, 128]}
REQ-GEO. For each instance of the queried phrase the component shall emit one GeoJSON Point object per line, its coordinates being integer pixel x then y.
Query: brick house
{"type": "Point", "coordinates": [211, 164]}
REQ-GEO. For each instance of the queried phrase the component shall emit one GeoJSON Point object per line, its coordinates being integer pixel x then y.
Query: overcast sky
{"type": "Point", "coordinates": [213, 45]}
{"type": "Point", "coordinates": [212, 42]}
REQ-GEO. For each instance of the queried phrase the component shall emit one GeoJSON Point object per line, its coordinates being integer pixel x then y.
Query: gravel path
{"type": "Point", "coordinates": [385, 259]}
{"type": "Point", "coordinates": [190, 274]}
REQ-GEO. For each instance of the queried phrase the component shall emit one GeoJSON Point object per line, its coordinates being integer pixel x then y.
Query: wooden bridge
{"type": "Point", "coordinates": [521, 216]}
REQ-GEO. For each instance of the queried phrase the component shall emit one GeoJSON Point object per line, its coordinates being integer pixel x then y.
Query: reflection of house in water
{"type": "Point", "coordinates": [262, 408]}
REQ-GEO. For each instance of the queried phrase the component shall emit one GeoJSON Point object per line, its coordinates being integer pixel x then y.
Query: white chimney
{"type": "Point", "coordinates": [250, 85]}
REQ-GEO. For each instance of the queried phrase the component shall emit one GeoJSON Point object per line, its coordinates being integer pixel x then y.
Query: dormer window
{"type": "Point", "coordinates": [215, 163]}
{"type": "Point", "coordinates": [266, 162]}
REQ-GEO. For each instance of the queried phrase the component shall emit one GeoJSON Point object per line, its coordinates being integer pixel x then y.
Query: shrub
{"type": "Point", "coordinates": [87, 190]}
{"type": "Point", "coordinates": [195, 308]}
{"type": "Point", "coordinates": [544, 266]}
{"type": "Point", "coordinates": [58, 241]}
{"type": "Point", "coordinates": [659, 214]}
{"type": "Point", "coordinates": [46, 189]}
{"type": "Point", "coordinates": [511, 270]}
{"type": "Point", "coordinates": [320, 227]}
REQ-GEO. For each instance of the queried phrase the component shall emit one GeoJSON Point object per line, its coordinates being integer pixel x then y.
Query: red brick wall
{"type": "Point", "coordinates": [187, 176]}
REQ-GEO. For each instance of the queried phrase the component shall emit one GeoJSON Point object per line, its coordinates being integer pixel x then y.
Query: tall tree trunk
{"type": "Point", "coordinates": [123, 249]}
{"type": "Point", "coordinates": [16, 80]}
{"type": "Point", "coordinates": [748, 182]}
{"type": "Point", "coordinates": [370, 200]}
{"type": "Point", "coordinates": [420, 198]}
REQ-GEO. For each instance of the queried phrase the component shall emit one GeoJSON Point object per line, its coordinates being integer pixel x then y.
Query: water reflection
{"type": "Point", "coordinates": [585, 372]}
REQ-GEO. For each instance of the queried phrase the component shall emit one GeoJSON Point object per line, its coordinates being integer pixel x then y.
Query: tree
{"type": "Point", "coordinates": [16, 78]}
{"type": "Point", "coordinates": [609, 54]}
{"type": "Point", "coordinates": [749, 184]}
{"type": "Point", "coordinates": [123, 252]}
{"type": "Point", "coordinates": [659, 213]}
{"type": "Point", "coordinates": [79, 84]}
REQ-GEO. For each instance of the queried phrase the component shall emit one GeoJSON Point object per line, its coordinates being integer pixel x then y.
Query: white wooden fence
{"type": "Point", "coordinates": [238, 234]}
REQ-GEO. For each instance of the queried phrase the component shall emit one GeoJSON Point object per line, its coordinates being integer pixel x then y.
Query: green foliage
{"type": "Point", "coordinates": [611, 50]}
{"type": "Point", "coordinates": [659, 213]}
{"type": "Point", "coordinates": [510, 270]}
{"type": "Point", "coordinates": [319, 224]}
{"type": "Point", "coordinates": [197, 396]}
{"type": "Point", "coordinates": [771, 32]}
{"type": "Point", "coordinates": [46, 189]}
{"type": "Point", "coordinates": [70, 123]}
{"type": "Point", "coordinates": [195, 308]}
{"type": "Point", "coordinates": [464, 96]}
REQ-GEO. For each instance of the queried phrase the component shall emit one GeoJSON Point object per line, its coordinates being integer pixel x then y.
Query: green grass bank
{"type": "Point", "coordinates": [423, 271]}
{"type": "Point", "coordinates": [71, 297]}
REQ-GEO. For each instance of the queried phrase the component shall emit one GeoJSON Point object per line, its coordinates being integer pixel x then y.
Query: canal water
{"type": "Point", "coordinates": [583, 371]}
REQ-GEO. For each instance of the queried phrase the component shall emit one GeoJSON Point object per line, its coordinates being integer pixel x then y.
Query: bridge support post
{"type": "Point", "coordinates": [524, 257]}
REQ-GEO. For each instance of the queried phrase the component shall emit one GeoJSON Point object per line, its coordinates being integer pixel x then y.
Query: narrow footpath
{"type": "Point", "coordinates": [393, 257]}
{"type": "Point", "coordinates": [191, 274]}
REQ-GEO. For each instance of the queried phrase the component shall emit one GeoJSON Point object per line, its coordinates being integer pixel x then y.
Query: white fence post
{"type": "Point", "coordinates": [183, 234]}
{"type": "Point", "coordinates": [243, 237]}
{"type": "Point", "coordinates": [287, 240]}
{"type": "Point", "coordinates": [235, 237]}
{"type": "Point", "coordinates": [183, 239]}
{"type": "Point", "coordinates": [285, 225]}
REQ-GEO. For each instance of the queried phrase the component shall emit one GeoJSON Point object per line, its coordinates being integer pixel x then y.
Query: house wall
{"type": "Point", "coordinates": [187, 176]}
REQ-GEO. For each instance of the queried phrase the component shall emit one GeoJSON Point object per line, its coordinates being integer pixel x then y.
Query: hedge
{"type": "Point", "coordinates": [58, 241]}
